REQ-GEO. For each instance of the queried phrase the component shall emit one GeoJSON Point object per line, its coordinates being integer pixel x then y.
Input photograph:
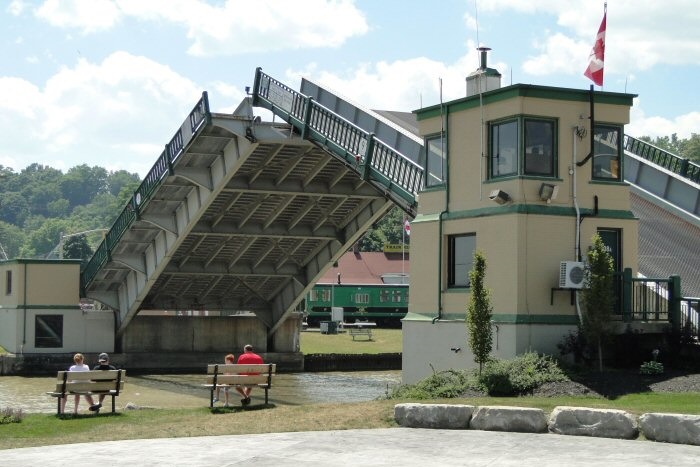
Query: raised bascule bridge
{"type": "Point", "coordinates": [239, 214]}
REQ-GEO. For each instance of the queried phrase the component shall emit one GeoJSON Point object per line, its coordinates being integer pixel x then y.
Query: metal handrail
{"type": "Point", "coordinates": [366, 154]}
{"type": "Point", "coordinates": [193, 124]}
{"type": "Point", "coordinates": [678, 165]}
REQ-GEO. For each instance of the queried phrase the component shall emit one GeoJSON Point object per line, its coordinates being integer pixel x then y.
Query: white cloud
{"type": "Point", "coordinates": [640, 34]}
{"type": "Point", "coordinates": [16, 7]}
{"type": "Point", "coordinates": [120, 112]}
{"type": "Point", "coordinates": [642, 125]}
{"type": "Point", "coordinates": [228, 28]}
{"type": "Point", "coordinates": [87, 15]}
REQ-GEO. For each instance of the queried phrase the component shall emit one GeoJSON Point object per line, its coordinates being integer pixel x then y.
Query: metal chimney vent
{"type": "Point", "coordinates": [485, 78]}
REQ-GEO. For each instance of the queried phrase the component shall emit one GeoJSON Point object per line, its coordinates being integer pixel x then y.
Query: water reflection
{"type": "Point", "coordinates": [170, 391]}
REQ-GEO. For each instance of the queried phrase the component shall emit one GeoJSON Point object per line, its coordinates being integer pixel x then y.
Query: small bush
{"type": "Point", "coordinates": [498, 378]}
{"type": "Point", "coordinates": [651, 368]}
{"type": "Point", "coordinates": [8, 415]}
{"type": "Point", "coordinates": [442, 384]}
{"type": "Point", "coordinates": [521, 375]}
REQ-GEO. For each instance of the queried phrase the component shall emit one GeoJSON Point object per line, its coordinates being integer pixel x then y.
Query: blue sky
{"type": "Point", "coordinates": [107, 82]}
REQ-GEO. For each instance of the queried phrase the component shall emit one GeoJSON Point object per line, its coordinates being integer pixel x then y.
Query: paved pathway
{"type": "Point", "coordinates": [405, 447]}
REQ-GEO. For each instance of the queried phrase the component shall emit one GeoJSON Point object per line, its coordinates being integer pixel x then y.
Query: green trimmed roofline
{"type": "Point", "coordinates": [525, 90]}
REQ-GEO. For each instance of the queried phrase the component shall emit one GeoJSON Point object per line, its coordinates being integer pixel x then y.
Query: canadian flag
{"type": "Point", "coordinates": [407, 227]}
{"type": "Point", "coordinates": [595, 61]}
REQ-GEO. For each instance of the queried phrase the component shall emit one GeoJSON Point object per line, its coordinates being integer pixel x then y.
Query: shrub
{"type": "Point", "coordinates": [443, 384]}
{"type": "Point", "coordinates": [651, 368]}
{"type": "Point", "coordinates": [521, 375]}
{"type": "Point", "coordinates": [498, 378]}
{"type": "Point", "coordinates": [8, 415]}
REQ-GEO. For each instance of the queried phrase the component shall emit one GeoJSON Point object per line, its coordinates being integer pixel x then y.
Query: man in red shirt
{"type": "Point", "coordinates": [248, 357]}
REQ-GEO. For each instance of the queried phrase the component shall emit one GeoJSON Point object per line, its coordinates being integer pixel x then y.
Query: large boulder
{"type": "Point", "coordinates": [447, 416]}
{"type": "Point", "coordinates": [498, 418]}
{"type": "Point", "coordinates": [603, 423]}
{"type": "Point", "coordinates": [671, 428]}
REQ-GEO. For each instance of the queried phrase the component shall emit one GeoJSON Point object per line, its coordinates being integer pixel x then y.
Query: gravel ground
{"type": "Point", "coordinates": [615, 383]}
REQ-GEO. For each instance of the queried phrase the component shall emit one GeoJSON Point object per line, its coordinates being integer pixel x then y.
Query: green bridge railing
{"type": "Point", "coordinates": [678, 165]}
{"type": "Point", "coordinates": [659, 299]}
{"type": "Point", "coordinates": [198, 118]}
{"type": "Point", "coordinates": [367, 155]}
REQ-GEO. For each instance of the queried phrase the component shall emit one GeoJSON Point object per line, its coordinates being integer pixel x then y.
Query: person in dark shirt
{"type": "Point", "coordinates": [102, 364]}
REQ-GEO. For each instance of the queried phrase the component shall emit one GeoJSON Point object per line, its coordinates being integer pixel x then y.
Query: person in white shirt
{"type": "Point", "coordinates": [79, 365]}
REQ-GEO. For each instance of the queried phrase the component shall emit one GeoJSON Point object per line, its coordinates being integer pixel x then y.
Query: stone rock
{"type": "Point", "coordinates": [602, 423]}
{"type": "Point", "coordinates": [446, 416]}
{"type": "Point", "coordinates": [671, 428]}
{"type": "Point", "coordinates": [497, 418]}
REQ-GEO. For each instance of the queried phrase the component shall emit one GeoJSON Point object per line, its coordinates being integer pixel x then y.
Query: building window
{"type": "Point", "coordinates": [8, 283]}
{"type": "Point", "coordinates": [384, 296]}
{"type": "Point", "coordinates": [539, 147]}
{"type": "Point", "coordinates": [504, 148]}
{"type": "Point", "coordinates": [536, 137]}
{"type": "Point", "coordinates": [461, 259]}
{"type": "Point", "coordinates": [606, 153]}
{"type": "Point", "coordinates": [320, 295]}
{"type": "Point", "coordinates": [48, 331]}
{"type": "Point", "coordinates": [362, 298]}
{"type": "Point", "coordinates": [435, 161]}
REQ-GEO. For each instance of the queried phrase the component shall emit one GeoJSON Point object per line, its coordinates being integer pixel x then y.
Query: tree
{"type": "Point", "coordinates": [598, 295]}
{"type": "Point", "coordinates": [479, 313]}
{"type": "Point", "coordinates": [388, 230]}
{"type": "Point", "coordinates": [77, 247]}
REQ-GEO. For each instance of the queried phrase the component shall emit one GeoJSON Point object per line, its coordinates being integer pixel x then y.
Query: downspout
{"type": "Point", "coordinates": [24, 306]}
{"type": "Point", "coordinates": [577, 247]}
{"type": "Point", "coordinates": [577, 238]}
{"type": "Point", "coordinates": [444, 128]}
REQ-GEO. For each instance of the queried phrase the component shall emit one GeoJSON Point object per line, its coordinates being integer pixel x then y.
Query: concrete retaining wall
{"type": "Point", "coordinates": [217, 334]}
{"type": "Point", "coordinates": [581, 421]}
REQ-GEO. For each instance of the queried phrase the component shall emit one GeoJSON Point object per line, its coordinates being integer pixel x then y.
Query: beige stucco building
{"type": "Point", "coordinates": [508, 174]}
{"type": "Point", "coordinates": [40, 310]}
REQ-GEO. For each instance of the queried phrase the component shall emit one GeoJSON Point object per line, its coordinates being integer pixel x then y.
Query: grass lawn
{"type": "Point", "coordinates": [45, 429]}
{"type": "Point", "coordinates": [383, 341]}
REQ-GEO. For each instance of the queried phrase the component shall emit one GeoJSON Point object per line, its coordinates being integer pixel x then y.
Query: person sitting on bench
{"type": "Point", "coordinates": [248, 357]}
{"type": "Point", "coordinates": [102, 364]}
{"type": "Point", "coordinates": [79, 365]}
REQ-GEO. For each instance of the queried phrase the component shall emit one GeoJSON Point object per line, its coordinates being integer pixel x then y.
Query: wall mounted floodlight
{"type": "Point", "coordinates": [499, 196]}
{"type": "Point", "coordinates": [548, 192]}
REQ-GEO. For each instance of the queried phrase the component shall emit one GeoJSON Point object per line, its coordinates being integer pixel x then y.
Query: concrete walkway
{"type": "Point", "coordinates": [379, 447]}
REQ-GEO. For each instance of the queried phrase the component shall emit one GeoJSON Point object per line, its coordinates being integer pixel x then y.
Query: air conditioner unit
{"type": "Point", "coordinates": [572, 275]}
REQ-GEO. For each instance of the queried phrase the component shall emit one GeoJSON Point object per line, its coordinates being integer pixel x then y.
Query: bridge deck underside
{"type": "Point", "coordinates": [240, 224]}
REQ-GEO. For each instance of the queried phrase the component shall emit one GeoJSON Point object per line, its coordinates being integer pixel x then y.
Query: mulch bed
{"type": "Point", "coordinates": [615, 383]}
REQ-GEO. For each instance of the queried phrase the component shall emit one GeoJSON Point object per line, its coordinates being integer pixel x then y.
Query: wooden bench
{"type": "Point", "coordinates": [94, 383]}
{"type": "Point", "coordinates": [223, 376]}
{"type": "Point", "coordinates": [358, 332]}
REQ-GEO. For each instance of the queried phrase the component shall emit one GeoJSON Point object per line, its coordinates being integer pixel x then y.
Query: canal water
{"type": "Point", "coordinates": [173, 391]}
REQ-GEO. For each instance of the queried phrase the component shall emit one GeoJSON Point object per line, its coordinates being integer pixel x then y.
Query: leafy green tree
{"type": "Point", "coordinates": [11, 238]}
{"type": "Point", "coordinates": [598, 295]}
{"type": "Point", "coordinates": [42, 241]}
{"type": "Point", "coordinates": [116, 181]}
{"type": "Point", "coordinates": [390, 229]}
{"type": "Point", "coordinates": [479, 313]}
{"type": "Point", "coordinates": [82, 183]}
{"type": "Point", "coordinates": [77, 247]}
{"type": "Point", "coordinates": [14, 208]}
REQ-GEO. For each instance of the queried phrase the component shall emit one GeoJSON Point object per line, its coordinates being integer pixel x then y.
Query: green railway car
{"type": "Point", "coordinates": [384, 304]}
